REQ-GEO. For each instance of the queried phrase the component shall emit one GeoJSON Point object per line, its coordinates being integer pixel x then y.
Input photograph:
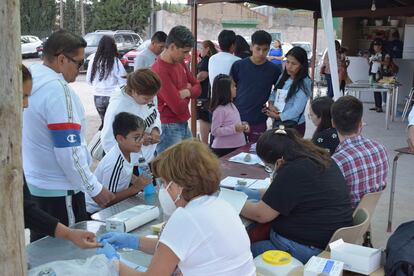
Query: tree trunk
{"type": "Point", "coordinates": [82, 17]}
{"type": "Point", "coordinates": [61, 14]}
{"type": "Point", "coordinates": [12, 247]}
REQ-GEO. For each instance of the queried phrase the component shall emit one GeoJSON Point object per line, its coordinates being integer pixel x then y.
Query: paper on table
{"type": "Point", "coordinates": [239, 158]}
{"type": "Point", "coordinates": [231, 182]}
{"type": "Point", "coordinates": [260, 184]}
{"type": "Point", "coordinates": [234, 198]}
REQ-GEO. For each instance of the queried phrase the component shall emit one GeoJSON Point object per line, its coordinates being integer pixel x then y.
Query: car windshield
{"type": "Point", "coordinates": [92, 40]}
{"type": "Point", "coordinates": [306, 47]}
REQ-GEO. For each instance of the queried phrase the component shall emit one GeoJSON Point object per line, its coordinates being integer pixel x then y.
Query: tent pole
{"type": "Point", "coordinates": [315, 39]}
{"type": "Point", "coordinates": [194, 65]}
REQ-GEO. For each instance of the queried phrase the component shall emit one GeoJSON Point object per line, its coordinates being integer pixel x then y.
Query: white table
{"type": "Point", "coordinates": [390, 89]}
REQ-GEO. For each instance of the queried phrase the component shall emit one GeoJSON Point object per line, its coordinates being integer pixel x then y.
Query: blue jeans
{"type": "Point", "coordinates": [172, 134]}
{"type": "Point", "coordinates": [299, 251]}
{"type": "Point", "coordinates": [330, 92]}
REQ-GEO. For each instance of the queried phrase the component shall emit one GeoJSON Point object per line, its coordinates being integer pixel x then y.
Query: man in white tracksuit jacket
{"type": "Point", "coordinates": [55, 158]}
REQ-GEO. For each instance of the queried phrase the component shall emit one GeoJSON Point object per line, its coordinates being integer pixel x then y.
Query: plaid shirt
{"type": "Point", "coordinates": [364, 164]}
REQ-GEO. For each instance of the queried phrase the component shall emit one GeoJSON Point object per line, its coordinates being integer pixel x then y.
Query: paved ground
{"type": "Point", "coordinates": [393, 138]}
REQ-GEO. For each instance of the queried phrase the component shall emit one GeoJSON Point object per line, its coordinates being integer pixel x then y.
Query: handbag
{"type": "Point", "coordinates": [95, 147]}
{"type": "Point", "coordinates": [287, 123]}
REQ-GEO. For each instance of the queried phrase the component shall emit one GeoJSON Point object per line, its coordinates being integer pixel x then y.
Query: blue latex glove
{"type": "Point", "coordinates": [251, 194]}
{"type": "Point", "coordinates": [120, 240]}
{"type": "Point", "coordinates": [108, 250]}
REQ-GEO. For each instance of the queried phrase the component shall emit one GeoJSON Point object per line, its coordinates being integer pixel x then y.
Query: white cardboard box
{"type": "Point", "coordinates": [132, 218]}
{"type": "Point", "coordinates": [320, 266]}
{"type": "Point", "coordinates": [357, 258]}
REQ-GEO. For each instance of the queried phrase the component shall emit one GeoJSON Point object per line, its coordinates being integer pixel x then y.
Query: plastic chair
{"type": "Point", "coordinates": [353, 234]}
{"type": "Point", "coordinates": [369, 203]}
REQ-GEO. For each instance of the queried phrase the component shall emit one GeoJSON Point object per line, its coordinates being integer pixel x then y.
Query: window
{"type": "Point", "coordinates": [119, 39]}
{"type": "Point", "coordinates": [128, 39]}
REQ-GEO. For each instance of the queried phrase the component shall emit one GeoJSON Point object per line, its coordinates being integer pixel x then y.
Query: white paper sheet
{"type": "Point", "coordinates": [231, 182]}
{"type": "Point", "coordinates": [280, 100]}
{"type": "Point", "coordinates": [239, 158]}
{"type": "Point", "coordinates": [234, 198]}
{"type": "Point", "coordinates": [260, 184]}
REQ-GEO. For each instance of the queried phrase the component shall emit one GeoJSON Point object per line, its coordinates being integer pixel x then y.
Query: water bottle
{"type": "Point", "coordinates": [145, 170]}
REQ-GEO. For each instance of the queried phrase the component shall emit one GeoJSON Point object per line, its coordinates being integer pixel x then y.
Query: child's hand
{"type": "Point", "coordinates": [239, 128]}
{"type": "Point", "coordinates": [139, 182]}
{"type": "Point", "coordinates": [246, 127]}
{"type": "Point", "coordinates": [155, 135]}
{"type": "Point", "coordinates": [147, 139]}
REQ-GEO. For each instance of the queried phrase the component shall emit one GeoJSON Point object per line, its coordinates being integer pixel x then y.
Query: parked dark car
{"type": "Point", "coordinates": [125, 41]}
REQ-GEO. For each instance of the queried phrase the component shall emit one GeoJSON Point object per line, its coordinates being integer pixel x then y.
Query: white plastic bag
{"type": "Point", "coordinates": [97, 265]}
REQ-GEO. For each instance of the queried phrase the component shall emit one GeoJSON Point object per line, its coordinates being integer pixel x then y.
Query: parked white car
{"type": "Point", "coordinates": [29, 44]}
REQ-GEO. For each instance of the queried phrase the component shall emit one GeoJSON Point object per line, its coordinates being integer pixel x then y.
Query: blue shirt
{"type": "Point", "coordinates": [254, 84]}
{"type": "Point", "coordinates": [276, 52]}
{"type": "Point", "coordinates": [295, 106]}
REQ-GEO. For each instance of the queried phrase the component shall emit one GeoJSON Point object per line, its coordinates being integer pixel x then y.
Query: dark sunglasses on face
{"type": "Point", "coordinates": [79, 63]}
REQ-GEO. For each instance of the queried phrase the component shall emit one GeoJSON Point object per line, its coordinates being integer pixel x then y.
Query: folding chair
{"type": "Point", "coordinates": [408, 103]}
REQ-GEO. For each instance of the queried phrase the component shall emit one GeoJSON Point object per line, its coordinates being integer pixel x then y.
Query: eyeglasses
{"type": "Point", "coordinates": [77, 62]}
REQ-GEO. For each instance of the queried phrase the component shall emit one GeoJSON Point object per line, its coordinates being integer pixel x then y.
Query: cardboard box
{"type": "Point", "coordinates": [320, 266]}
{"type": "Point", "coordinates": [357, 258]}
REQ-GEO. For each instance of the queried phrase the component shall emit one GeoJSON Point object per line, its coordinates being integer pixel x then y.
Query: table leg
{"type": "Point", "coordinates": [392, 191]}
{"type": "Point", "coordinates": [387, 111]}
{"type": "Point", "coordinates": [394, 113]}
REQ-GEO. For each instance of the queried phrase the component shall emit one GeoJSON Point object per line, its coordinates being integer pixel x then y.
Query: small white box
{"type": "Point", "coordinates": [357, 258]}
{"type": "Point", "coordinates": [132, 218]}
{"type": "Point", "coordinates": [320, 266]}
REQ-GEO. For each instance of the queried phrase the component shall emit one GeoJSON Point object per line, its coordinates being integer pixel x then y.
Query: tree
{"type": "Point", "coordinates": [12, 255]}
{"type": "Point", "coordinates": [38, 17]}
{"type": "Point", "coordinates": [121, 14]}
{"type": "Point", "coordinates": [69, 17]}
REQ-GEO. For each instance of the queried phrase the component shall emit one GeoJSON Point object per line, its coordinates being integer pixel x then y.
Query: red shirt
{"type": "Point", "coordinates": [174, 77]}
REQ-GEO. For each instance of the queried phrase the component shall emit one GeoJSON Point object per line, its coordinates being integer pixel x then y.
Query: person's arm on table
{"type": "Point", "coordinates": [36, 219]}
{"type": "Point", "coordinates": [259, 211]}
{"type": "Point", "coordinates": [163, 263]}
{"type": "Point", "coordinates": [410, 139]}
{"type": "Point", "coordinates": [81, 238]}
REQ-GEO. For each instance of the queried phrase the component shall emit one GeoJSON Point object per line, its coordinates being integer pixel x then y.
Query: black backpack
{"type": "Point", "coordinates": [400, 251]}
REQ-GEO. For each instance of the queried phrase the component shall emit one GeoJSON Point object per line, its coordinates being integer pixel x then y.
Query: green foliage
{"type": "Point", "coordinates": [70, 18]}
{"type": "Point", "coordinates": [121, 15]}
{"type": "Point", "coordinates": [38, 17]}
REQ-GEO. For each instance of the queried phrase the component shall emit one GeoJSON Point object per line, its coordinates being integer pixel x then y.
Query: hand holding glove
{"type": "Point", "coordinates": [120, 240]}
{"type": "Point", "coordinates": [108, 250]}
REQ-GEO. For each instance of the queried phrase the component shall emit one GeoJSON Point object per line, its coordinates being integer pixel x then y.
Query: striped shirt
{"type": "Point", "coordinates": [364, 164]}
{"type": "Point", "coordinates": [114, 172]}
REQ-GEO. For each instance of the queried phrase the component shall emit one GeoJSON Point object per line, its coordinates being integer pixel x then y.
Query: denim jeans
{"type": "Point", "coordinates": [299, 251]}
{"type": "Point", "coordinates": [172, 133]}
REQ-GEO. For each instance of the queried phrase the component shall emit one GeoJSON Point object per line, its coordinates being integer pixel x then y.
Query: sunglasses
{"type": "Point", "coordinates": [79, 63]}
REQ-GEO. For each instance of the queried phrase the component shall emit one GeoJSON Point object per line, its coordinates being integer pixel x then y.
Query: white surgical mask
{"type": "Point", "coordinates": [166, 202]}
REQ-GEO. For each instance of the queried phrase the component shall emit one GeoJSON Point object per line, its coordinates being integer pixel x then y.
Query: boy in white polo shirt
{"type": "Point", "coordinates": [115, 171]}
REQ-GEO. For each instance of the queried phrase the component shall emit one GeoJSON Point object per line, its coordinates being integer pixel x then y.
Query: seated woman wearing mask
{"type": "Point", "coordinates": [204, 235]}
{"type": "Point", "coordinates": [307, 200]}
